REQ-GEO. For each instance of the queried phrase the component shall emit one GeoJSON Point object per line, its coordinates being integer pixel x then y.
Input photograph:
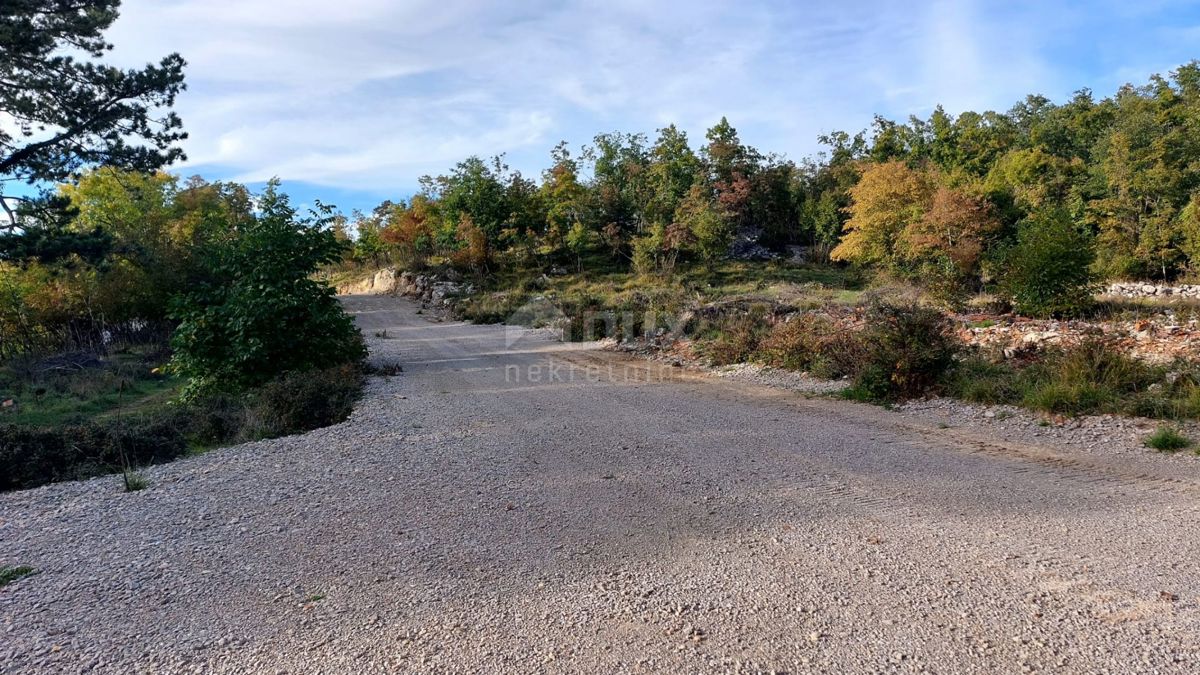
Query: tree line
{"type": "Point", "coordinates": [943, 199]}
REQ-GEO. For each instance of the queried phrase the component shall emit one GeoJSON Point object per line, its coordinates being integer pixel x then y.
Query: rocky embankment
{"type": "Point", "coordinates": [1157, 338]}
{"type": "Point", "coordinates": [426, 288]}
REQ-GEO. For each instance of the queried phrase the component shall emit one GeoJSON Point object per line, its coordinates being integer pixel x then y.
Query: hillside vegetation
{"type": "Point", "coordinates": [1036, 204]}
{"type": "Point", "coordinates": [142, 318]}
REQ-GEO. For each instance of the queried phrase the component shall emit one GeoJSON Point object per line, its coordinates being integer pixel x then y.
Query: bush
{"type": "Point", "coordinates": [812, 343]}
{"type": "Point", "coordinates": [300, 402]}
{"type": "Point", "coordinates": [797, 343]}
{"type": "Point", "coordinates": [32, 456]}
{"type": "Point", "coordinates": [907, 350]}
{"type": "Point", "coordinates": [1048, 271]}
{"type": "Point", "coordinates": [261, 313]}
{"type": "Point", "coordinates": [735, 338]}
{"type": "Point", "coordinates": [1167, 439]}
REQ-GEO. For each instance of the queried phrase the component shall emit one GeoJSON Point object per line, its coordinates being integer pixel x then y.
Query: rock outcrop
{"type": "Point", "coordinates": [424, 287]}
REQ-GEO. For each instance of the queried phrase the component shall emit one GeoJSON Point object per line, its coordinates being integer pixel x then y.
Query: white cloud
{"type": "Point", "coordinates": [372, 93]}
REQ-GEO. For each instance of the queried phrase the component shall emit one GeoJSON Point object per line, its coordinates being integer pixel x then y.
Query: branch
{"type": "Point", "coordinates": [12, 217]}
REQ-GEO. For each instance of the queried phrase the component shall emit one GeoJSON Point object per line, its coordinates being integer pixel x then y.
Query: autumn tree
{"type": "Point", "coordinates": [955, 224]}
{"type": "Point", "coordinates": [889, 198]}
{"type": "Point", "coordinates": [409, 230]}
{"type": "Point", "coordinates": [709, 230]}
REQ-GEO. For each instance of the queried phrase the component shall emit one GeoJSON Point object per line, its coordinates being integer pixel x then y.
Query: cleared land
{"type": "Point", "coordinates": [511, 503]}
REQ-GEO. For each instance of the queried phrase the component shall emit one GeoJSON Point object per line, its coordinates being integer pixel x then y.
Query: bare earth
{"type": "Point", "coordinates": [545, 507]}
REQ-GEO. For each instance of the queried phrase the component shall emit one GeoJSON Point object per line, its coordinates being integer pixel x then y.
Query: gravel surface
{"type": "Point", "coordinates": [511, 504]}
{"type": "Point", "coordinates": [779, 378]}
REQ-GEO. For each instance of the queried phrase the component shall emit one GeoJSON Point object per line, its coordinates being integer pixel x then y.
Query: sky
{"type": "Point", "coordinates": [351, 101]}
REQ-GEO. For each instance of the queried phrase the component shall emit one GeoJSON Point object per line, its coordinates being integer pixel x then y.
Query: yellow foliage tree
{"type": "Point", "coordinates": [888, 198]}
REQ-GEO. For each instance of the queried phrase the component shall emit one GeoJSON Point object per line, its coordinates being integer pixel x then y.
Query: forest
{"type": "Point", "coordinates": [1037, 203]}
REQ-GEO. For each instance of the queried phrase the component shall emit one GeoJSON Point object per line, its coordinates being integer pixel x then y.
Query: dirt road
{"type": "Point", "coordinates": [512, 504]}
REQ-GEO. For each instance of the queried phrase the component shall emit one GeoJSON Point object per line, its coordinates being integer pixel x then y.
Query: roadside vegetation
{"type": "Point", "coordinates": [1167, 439]}
{"type": "Point", "coordinates": [143, 317]}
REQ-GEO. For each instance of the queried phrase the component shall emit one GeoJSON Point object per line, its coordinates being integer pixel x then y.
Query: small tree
{"type": "Point", "coordinates": [712, 234]}
{"type": "Point", "coordinates": [261, 313]}
{"type": "Point", "coordinates": [1048, 271]}
{"type": "Point", "coordinates": [580, 240]}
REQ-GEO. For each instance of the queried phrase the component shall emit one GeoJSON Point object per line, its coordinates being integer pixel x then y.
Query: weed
{"type": "Point", "coordinates": [11, 574]}
{"type": "Point", "coordinates": [134, 481]}
{"type": "Point", "coordinates": [1167, 439]}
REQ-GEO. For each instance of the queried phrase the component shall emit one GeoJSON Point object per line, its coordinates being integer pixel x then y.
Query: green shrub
{"type": "Point", "coordinates": [1048, 271]}
{"type": "Point", "coordinates": [1167, 439]}
{"type": "Point", "coordinates": [31, 456]}
{"type": "Point", "coordinates": [300, 402]}
{"type": "Point", "coordinates": [260, 313]}
{"type": "Point", "coordinates": [907, 349]}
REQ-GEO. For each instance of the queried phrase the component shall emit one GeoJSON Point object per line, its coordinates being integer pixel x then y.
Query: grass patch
{"type": "Point", "coordinates": [33, 455]}
{"type": "Point", "coordinates": [134, 481]}
{"type": "Point", "coordinates": [11, 574]}
{"type": "Point", "coordinates": [1091, 378]}
{"type": "Point", "coordinates": [1167, 439]}
{"type": "Point", "coordinates": [75, 388]}
{"type": "Point", "coordinates": [512, 295]}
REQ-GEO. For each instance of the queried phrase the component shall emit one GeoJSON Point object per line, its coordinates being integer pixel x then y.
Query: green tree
{"type": "Point", "coordinates": [262, 314]}
{"type": "Point", "coordinates": [1047, 272]}
{"type": "Point", "coordinates": [618, 190]}
{"type": "Point", "coordinates": [711, 233]}
{"type": "Point", "coordinates": [564, 197]}
{"type": "Point", "coordinates": [474, 189]}
{"type": "Point", "coordinates": [674, 168]}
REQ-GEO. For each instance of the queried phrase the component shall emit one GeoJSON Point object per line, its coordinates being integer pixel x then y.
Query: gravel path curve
{"type": "Point", "coordinates": [511, 504]}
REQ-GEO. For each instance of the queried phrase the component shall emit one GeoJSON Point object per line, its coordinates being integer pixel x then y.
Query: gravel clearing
{"type": "Point", "coordinates": [512, 504]}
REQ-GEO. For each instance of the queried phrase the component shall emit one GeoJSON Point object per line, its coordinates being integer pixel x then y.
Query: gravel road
{"type": "Point", "coordinates": [512, 504]}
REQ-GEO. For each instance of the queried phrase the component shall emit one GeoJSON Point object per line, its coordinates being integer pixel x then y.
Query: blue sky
{"type": "Point", "coordinates": [351, 101]}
